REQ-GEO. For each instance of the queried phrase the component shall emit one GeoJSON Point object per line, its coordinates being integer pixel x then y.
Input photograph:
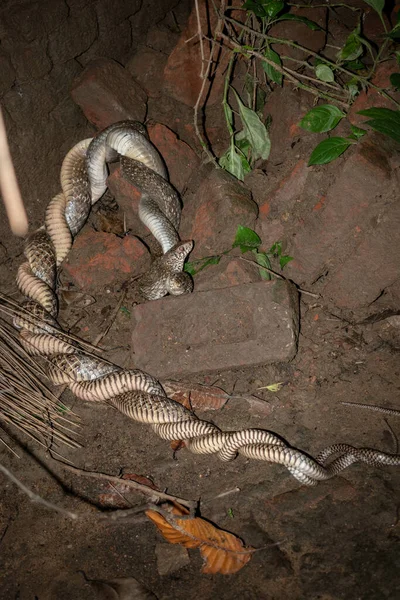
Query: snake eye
{"type": "Point", "coordinates": [179, 283]}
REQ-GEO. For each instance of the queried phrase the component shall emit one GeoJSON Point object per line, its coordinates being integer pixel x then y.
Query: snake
{"type": "Point", "coordinates": [134, 393]}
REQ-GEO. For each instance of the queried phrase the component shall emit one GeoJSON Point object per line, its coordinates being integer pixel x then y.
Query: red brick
{"type": "Point", "coordinates": [179, 157]}
{"type": "Point", "coordinates": [99, 259]}
{"type": "Point", "coordinates": [145, 67]}
{"type": "Point", "coordinates": [211, 216]}
{"type": "Point", "coordinates": [227, 273]}
{"type": "Point", "coordinates": [300, 33]}
{"type": "Point", "coordinates": [335, 225]}
{"type": "Point", "coordinates": [106, 93]}
{"type": "Point", "coordinates": [182, 78]}
{"type": "Point", "coordinates": [371, 97]}
{"type": "Point", "coordinates": [220, 329]}
{"type": "Point", "coordinates": [372, 267]}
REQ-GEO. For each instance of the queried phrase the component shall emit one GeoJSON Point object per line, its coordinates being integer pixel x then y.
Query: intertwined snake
{"type": "Point", "coordinates": [135, 393]}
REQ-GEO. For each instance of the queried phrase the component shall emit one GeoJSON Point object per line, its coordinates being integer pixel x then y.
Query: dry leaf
{"type": "Point", "coordinates": [76, 299]}
{"type": "Point", "coordinates": [126, 588]}
{"type": "Point", "coordinates": [195, 395]}
{"type": "Point", "coordinates": [273, 387]}
{"type": "Point", "coordinates": [221, 551]}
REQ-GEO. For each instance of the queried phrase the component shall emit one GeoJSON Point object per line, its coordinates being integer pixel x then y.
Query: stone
{"type": "Point", "coordinates": [371, 267]}
{"type": "Point", "coordinates": [99, 259]}
{"type": "Point", "coordinates": [228, 328]}
{"type": "Point", "coordinates": [212, 214]}
{"type": "Point", "coordinates": [182, 79]}
{"type": "Point", "coordinates": [107, 93]}
{"type": "Point", "coordinates": [180, 159]}
{"type": "Point", "coordinates": [164, 40]}
{"type": "Point", "coordinates": [145, 67]}
{"type": "Point", "coordinates": [171, 558]}
{"type": "Point", "coordinates": [300, 33]}
{"type": "Point", "coordinates": [286, 107]}
{"type": "Point", "coordinates": [285, 194]}
{"type": "Point", "coordinates": [337, 223]}
{"type": "Point", "coordinates": [371, 97]}
{"type": "Point", "coordinates": [226, 274]}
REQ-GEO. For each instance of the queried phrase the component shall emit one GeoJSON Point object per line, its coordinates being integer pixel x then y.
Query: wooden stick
{"type": "Point", "coordinates": [9, 188]}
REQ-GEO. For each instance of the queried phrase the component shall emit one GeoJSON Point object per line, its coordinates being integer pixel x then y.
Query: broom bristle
{"type": "Point", "coordinates": [25, 401]}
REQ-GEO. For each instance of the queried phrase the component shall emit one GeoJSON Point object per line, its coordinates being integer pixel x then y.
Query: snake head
{"type": "Point", "coordinates": [179, 283]}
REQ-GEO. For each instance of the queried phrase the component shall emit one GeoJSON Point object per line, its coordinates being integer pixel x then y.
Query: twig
{"type": "Point", "coordinates": [12, 198]}
{"type": "Point", "coordinates": [204, 76]}
{"type": "Point", "coordinates": [284, 71]}
{"type": "Point", "coordinates": [35, 498]}
{"type": "Point", "coordinates": [200, 36]}
{"type": "Point", "coordinates": [111, 319]}
{"type": "Point", "coordinates": [271, 272]}
{"type": "Point", "coordinates": [394, 436]}
{"type": "Point", "coordinates": [191, 504]}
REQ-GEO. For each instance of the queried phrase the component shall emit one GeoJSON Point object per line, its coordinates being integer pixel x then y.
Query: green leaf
{"type": "Point", "coordinates": [273, 7]}
{"type": "Point", "coordinates": [231, 161]}
{"type": "Point", "coordinates": [398, 53]}
{"type": "Point", "coordinates": [352, 48]}
{"type": "Point", "coordinates": [389, 128]}
{"type": "Point", "coordinates": [324, 73]}
{"type": "Point", "coordinates": [272, 73]}
{"type": "Point", "coordinates": [357, 131]}
{"type": "Point", "coordinates": [311, 24]}
{"type": "Point", "coordinates": [263, 260]}
{"type": "Point", "coordinates": [328, 150]}
{"type": "Point", "coordinates": [385, 114]}
{"type": "Point", "coordinates": [198, 265]}
{"type": "Point", "coordinates": [255, 7]}
{"type": "Point", "coordinates": [284, 260]}
{"type": "Point", "coordinates": [395, 80]}
{"type": "Point", "coordinates": [246, 239]}
{"type": "Point", "coordinates": [377, 5]}
{"type": "Point", "coordinates": [255, 131]}
{"type": "Point", "coordinates": [355, 65]}
{"type": "Point", "coordinates": [352, 86]}
{"type": "Point", "coordinates": [276, 249]}
{"type": "Point", "coordinates": [321, 118]}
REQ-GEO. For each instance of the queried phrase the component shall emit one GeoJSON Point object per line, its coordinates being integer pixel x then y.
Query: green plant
{"type": "Point", "coordinates": [338, 82]}
{"type": "Point", "coordinates": [248, 241]}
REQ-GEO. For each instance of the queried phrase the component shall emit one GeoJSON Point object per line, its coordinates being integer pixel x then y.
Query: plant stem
{"type": "Point", "coordinates": [283, 70]}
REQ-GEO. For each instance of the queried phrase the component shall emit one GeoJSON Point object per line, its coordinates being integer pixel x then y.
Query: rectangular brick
{"type": "Point", "coordinates": [227, 328]}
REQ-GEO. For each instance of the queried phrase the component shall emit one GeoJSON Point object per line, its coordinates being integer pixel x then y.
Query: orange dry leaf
{"type": "Point", "coordinates": [221, 551]}
{"type": "Point", "coordinates": [195, 395]}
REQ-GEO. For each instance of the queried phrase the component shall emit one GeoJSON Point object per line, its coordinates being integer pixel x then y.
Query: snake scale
{"type": "Point", "coordinates": [135, 393]}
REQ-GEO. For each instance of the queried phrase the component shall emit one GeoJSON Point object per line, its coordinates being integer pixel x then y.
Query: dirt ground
{"type": "Point", "coordinates": [336, 541]}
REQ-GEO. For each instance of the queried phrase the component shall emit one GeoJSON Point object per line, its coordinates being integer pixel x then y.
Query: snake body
{"type": "Point", "coordinates": [134, 393]}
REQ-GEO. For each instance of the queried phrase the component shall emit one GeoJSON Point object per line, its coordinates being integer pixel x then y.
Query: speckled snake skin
{"type": "Point", "coordinates": [135, 393]}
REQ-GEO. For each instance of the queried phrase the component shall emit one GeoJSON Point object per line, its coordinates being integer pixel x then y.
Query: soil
{"type": "Point", "coordinates": [336, 541]}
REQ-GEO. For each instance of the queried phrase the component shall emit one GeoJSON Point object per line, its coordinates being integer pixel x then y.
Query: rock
{"type": "Point", "coordinates": [113, 42]}
{"type": "Point", "coordinates": [7, 73]}
{"type": "Point", "coordinates": [286, 193]}
{"type": "Point", "coordinates": [287, 106]}
{"type": "Point", "coordinates": [371, 267]}
{"type": "Point", "coordinates": [145, 67]}
{"type": "Point", "coordinates": [162, 40]}
{"type": "Point", "coordinates": [336, 223]}
{"type": "Point", "coordinates": [182, 79]}
{"type": "Point", "coordinates": [170, 558]}
{"type": "Point", "coordinates": [235, 327]}
{"type": "Point", "coordinates": [212, 214]}
{"type": "Point", "coordinates": [179, 157]}
{"type": "Point", "coordinates": [226, 274]}
{"type": "Point", "coordinates": [372, 97]}
{"type": "Point", "coordinates": [99, 259]}
{"type": "Point", "coordinates": [301, 34]}
{"type": "Point", "coordinates": [107, 93]}
{"type": "Point", "coordinates": [29, 60]}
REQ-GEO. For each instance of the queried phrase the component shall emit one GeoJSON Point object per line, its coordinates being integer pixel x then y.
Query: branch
{"type": "Point", "coordinates": [145, 489]}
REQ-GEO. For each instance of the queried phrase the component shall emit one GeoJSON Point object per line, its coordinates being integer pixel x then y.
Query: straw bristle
{"type": "Point", "coordinates": [25, 401]}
